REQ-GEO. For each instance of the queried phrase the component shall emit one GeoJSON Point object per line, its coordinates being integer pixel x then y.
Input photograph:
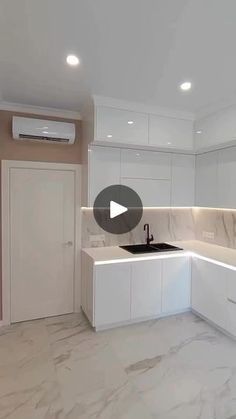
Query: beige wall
{"type": "Point", "coordinates": [14, 150]}
{"type": "Point", "coordinates": [25, 150]}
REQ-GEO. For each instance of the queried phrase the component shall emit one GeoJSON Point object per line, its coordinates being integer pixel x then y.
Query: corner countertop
{"type": "Point", "coordinates": [212, 252]}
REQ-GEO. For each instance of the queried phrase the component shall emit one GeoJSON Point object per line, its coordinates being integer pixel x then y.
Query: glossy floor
{"type": "Point", "coordinates": [175, 368]}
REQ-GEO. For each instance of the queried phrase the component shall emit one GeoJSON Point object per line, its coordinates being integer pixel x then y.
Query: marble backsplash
{"type": "Point", "coordinates": [222, 223]}
{"type": "Point", "coordinates": [168, 224]}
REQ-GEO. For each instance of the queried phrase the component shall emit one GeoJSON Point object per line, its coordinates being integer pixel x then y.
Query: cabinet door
{"type": "Point", "coordinates": [146, 289]}
{"type": "Point", "coordinates": [170, 132]}
{"type": "Point", "coordinates": [153, 193]}
{"type": "Point", "coordinates": [112, 293]}
{"type": "Point", "coordinates": [183, 180]}
{"type": "Point", "coordinates": [121, 126]}
{"type": "Point", "coordinates": [226, 178]}
{"type": "Point", "coordinates": [217, 128]}
{"type": "Point", "coordinates": [145, 164]}
{"type": "Point", "coordinates": [104, 170]}
{"type": "Point", "coordinates": [207, 179]}
{"type": "Point", "coordinates": [231, 302]}
{"type": "Point", "coordinates": [209, 290]}
{"type": "Point", "coordinates": [176, 284]}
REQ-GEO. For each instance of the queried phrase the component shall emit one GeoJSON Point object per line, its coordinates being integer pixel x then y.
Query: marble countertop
{"type": "Point", "coordinates": [115, 254]}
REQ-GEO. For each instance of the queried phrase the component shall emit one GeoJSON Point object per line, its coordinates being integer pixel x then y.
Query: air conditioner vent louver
{"type": "Point", "coordinates": [41, 138]}
{"type": "Point", "coordinates": [45, 131]}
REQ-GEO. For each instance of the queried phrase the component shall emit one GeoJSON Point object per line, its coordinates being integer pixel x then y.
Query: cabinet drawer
{"type": "Point", "coordinates": [121, 126]}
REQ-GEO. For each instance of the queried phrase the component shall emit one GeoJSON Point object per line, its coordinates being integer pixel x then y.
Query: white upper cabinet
{"type": "Point", "coordinates": [217, 128]}
{"type": "Point", "coordinates": [152, 192]}
{"type": "Point", "coordinates": [104, 170]}
{"type": "Point", "coordinates": [160, 179]}
{"type": "Point", "coordinates": [149, 174]}
{"type": "Point", "coordinates": [115, 121]}
{"type": "Point", "coordinates": [170, 132]}
{"type": "Point", "coordinates": [183, 180]}
{"type": "Point", "coordinates": [145, 164]}
{"type": "Point", "coordinates": [227, 178]}
{"type": "Point", "coordinates": [207, 179]}
{"type": "Point", "coordinates": [121, 126]}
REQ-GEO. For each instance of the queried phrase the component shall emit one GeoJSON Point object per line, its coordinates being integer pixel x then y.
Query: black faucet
{"type": "Point", "coordinates": [148, 238]}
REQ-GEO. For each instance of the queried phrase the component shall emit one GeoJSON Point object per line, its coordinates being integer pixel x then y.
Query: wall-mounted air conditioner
{"type": "Point", "coordinates": [43, 130]}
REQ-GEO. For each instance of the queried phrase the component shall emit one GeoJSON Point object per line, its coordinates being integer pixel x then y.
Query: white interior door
{"type": "Point", "coordinates": [42, 240]}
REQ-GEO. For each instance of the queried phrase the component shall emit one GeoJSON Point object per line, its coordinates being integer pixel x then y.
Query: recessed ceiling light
{"type": "Point", "coordinates": [199, 131]}
{"type": "Point", "coordinates": [186, 86]}
{"type": "Point", "coordinates": [130, 122]}
{"type": "Point", "coordinates": [72, 60]}
{"type": "Point", "coordinates": [109, 136]}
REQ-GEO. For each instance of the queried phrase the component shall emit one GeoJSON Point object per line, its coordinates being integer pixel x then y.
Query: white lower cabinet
{"type": "Point", "coordinates": [231, 302]}
{"type": "Point", "coordinates": [176, 284]}
{"type": "Point", "coordinates": [209, 291]}
{"type": "Point", "coordinates": [146, 289]}
{"type": "Point", "coordinates": [123, 292]}
{"type": "Point", "coordinates": [112, 293]}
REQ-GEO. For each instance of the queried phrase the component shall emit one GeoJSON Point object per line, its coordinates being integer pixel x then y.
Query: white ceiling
{"type": "Point", "coordinates": [136, 50]}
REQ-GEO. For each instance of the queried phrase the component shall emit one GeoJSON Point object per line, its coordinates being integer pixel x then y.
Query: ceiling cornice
{"type": "Point", "coordinates": [39, 110]}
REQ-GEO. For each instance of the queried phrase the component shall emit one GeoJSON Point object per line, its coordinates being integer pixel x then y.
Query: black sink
{"type": "Point", "coordinates": [162, 247]}
{"type": "Point", "coordinates": [154, 247]}
{"type": "Point", "coordinates": [139, 248]}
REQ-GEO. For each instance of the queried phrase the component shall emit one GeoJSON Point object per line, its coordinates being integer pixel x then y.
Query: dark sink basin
{"type": "Point", "coordinates": [154, 247]}
{"type": "Point", "coordinates": [162, 247]}
{"type": "Point", "coordinates": [139, 248]}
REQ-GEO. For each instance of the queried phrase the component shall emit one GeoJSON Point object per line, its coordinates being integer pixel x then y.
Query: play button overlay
{"type": "Point", "coordinates": [118, 209]}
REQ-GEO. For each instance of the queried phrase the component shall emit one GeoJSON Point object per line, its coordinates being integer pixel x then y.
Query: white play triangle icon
{"type": "Point", "coordinates": [116, 209]}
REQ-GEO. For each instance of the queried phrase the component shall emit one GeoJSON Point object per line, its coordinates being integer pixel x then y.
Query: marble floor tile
{"type": "Point", "coordinates": [172, 368]}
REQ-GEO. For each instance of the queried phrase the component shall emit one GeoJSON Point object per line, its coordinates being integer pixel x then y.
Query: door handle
{"type": "Point", "coordinates": [69, 243]}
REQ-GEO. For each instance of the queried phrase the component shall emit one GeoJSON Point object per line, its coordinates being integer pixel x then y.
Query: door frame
{"type": "Point", "coordinates": [6, 166]}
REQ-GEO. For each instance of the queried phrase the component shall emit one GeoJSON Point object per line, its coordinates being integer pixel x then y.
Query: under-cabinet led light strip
{"type": "Point", "coordinates": [174, 208]}
{"type": "Point", "coordinates": [182, 254]}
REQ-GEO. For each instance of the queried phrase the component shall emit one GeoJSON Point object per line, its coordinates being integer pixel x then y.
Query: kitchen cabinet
{"type": "Point", "coordinates": [104, 170]}
{"type": "Point", "coordinates": [183, 180]}
{"type": "Point", "coordinates": [123, 292]}
{"type": "Point", "coordinates": [146, 289]}
{"type": "Point", "coordinates": [207, 179]}
{"type": "Point", "coordinates": [112, 293]}
{"type": "Point", "coordinates": [160, 179]}
{"type": "Point", "coordinates": [121, 126]}
{"type": "Point", "coordinates": [145, 164]}
{"type": "Point", "coordinates": [176, 284]}
{"type": "Point", "coordinates": [153, 193]}
{"type": "Point", "coordinates": [209, 291]}
{"type": "Point", "coordinates": [231, 302]}
{"type": "Point", "coordinates": [149, 174]}
{"type": "Point", "coordinates": [217, 128]}
{"type": "Point", "coordinates": [226, 178]}
{"type": "Point", "coordinates": [170, 132]}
